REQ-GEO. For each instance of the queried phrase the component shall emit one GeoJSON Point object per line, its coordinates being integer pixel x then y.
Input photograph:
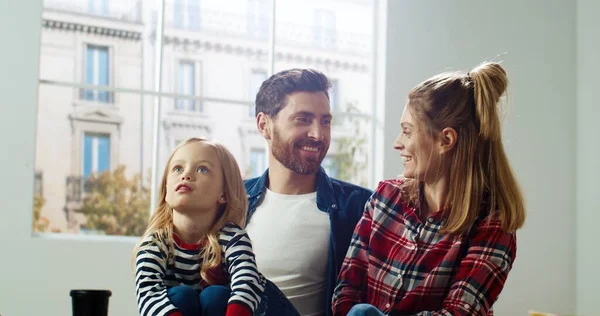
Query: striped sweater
{"type": "Point", "coordinates": [156, 272]}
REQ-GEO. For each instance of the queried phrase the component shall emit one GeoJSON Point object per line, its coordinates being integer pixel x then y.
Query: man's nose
{"type": "Point", "coordinates": [316, 132]}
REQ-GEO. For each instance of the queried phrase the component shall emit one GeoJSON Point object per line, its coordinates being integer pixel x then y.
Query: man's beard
{"type": "Point", "coordinates": [289, 154]}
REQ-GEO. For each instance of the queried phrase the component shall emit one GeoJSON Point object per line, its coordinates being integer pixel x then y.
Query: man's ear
{"type": "Point", "coordinates": [264, 125]}
{"type": "Point", "coordinates": [448, 139]}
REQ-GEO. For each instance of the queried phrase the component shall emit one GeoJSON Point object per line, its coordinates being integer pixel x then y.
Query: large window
{"type": "Point", "coordinates": [257, 76]}
{"type": "Point", "coordinates": [186, 14]}
{"type": "Point", "coordinates": [258, 162]}
{"type": "Point", "coordinates": [96, 72]}
{"type": "Point", "coordinates": [96, 154]}
{"type": "Point", "coordinates": [110, 111]}
{"type": "Point", "coordinates": [99, 7]}
{"type": "Point", "coordinates": [186, 85]}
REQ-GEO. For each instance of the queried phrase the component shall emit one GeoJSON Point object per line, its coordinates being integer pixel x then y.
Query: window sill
{"type": "Point", "coordinates": [81, 237]}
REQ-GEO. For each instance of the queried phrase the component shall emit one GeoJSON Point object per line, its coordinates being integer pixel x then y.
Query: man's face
{"type": "Point", "coordinates": [300, 133]}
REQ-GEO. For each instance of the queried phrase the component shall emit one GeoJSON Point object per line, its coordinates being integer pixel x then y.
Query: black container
{"type": "Point", "coordinates": [90, 302]}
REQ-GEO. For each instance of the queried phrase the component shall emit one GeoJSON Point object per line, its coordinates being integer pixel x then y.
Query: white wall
{"type": "Point", "coordinates": [588, 152]}
{"type": "Point", "coordinates": [424, 38]}
{"type": "Point", "coordinates": [538, 37]}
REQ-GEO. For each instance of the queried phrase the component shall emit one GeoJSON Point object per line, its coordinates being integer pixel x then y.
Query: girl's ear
{"type": "Point", "coordinates": [222, 199]}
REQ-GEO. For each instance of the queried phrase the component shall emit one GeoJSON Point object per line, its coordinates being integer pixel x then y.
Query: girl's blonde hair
{"type": "Point", "coordinates": [481, 179]}
{"type": "Point", "coordinates": [234, 210]}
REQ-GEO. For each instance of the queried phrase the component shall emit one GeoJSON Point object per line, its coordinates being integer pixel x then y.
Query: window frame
{"type": "Point", "coordinates": [80, 126]}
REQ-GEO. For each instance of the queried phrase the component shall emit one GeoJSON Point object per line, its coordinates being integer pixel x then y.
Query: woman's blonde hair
{"type": "Point", "coordinates": [233, 211]}
{"type": "Point", "coordinates": [481, 179]}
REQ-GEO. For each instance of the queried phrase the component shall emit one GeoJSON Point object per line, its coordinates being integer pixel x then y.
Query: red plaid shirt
{"type": "Point", "coordinates": [403, 266]}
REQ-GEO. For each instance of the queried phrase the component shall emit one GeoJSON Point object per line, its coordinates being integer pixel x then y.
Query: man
{"type": "Point", "coordinates": [300, 220]}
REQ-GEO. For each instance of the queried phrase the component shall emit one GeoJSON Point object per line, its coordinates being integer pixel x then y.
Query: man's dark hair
{"type": "Point", "coordinates": [273, 93]}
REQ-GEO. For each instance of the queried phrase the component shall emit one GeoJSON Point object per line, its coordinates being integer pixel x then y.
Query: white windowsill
{"type": "Point", "coordinates": [82, 237]}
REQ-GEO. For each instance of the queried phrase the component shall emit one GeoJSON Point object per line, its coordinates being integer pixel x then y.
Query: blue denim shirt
{"type": "Point", "coordinates": [344, 202]}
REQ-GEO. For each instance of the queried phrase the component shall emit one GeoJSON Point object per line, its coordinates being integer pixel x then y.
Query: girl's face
{"type": "Point", "coordinates": [422, 153]}
{"type": "Point", "coordinates": [195, 179]}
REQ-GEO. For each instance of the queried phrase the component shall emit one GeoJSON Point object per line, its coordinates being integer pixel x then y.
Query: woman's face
{"type": "Point", "coordinates": [421, 152]}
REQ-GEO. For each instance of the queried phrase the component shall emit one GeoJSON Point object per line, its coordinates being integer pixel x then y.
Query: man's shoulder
{"type": "Point", "coordinates": [250, 182]}
{"type": "Point", "coordinates": [350, 190]}
{"type": "Point", "coordinates": [250, 185]}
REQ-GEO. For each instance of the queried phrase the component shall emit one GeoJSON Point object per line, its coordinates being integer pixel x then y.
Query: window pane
{"type": "Point", "coordinates": [92, 164]}
{"type": "Point", "coordinates": [223, 121]}
{"type": "Point", "coordinates": [257, 77]}
{"type": "Point", "coordinates": [100, 42]}
{"type": "Point", "coordinates": [338, 40]}
{"type": "Point", "coordinates": [258, 162]}
{"type": "Point", "coordinates": [226, 41]}
{"type": "Point", "coordinates": [348, 155]}
{"type": "Point", "coordinates": [186, 85]}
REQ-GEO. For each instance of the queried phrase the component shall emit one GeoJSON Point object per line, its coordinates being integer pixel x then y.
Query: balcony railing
{"type": "Point", "coordinates": [97, 96]}
{"type": "Point", "coordinates": [38, 184]}
{"type": "Point", "coordinates": [74, 189]}
{"type": "Point", "coordinates": [122, 10]}
{"type": "Point", "coordinates": [256, 28]}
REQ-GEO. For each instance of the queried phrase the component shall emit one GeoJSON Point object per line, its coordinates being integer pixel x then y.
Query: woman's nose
{"type": "Point", "coordinates": [398, 145]}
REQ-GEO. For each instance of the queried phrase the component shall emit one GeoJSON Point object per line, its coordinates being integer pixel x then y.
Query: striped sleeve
{"type": "Point", "coordinates": [150, 271]}
{"type": "Point", "coordinates": [247, 285]}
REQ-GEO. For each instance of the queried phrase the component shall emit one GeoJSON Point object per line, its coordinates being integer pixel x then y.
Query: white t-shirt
{"type": "Point", "coordinates": [290, 238]}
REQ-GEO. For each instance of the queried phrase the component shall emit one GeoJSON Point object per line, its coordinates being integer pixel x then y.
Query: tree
{"type": "Point", "coordinates": [116, 205]}
{"type": "Point", "coordinates": [351, 159]}
{"type": "Point", "coordinates": [40, 223]}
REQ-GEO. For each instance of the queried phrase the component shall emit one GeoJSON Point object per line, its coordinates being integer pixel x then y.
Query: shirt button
{"type": "Point", "coordinates": [248, 195]}
{"type": "Point", "coordinates": [334, 206]}
{"type": "Point", "coordinates": [466, 306]}
{"type": "Point", "coordinates": [430, 220]}
{"type": "Point", "coordinates": [387, 305]}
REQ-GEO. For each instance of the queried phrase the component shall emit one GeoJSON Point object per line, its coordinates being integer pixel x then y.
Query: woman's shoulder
{"type": "Point", "coordinates": [390, 189]}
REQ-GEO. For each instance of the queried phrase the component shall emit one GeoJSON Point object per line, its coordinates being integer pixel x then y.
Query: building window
{"type": "Point", "coordinates": [98, 7]}
{"type": "Point", "coordinates": [96, 154]}
{"type": "Point", "coordinates": [96, 72]}
{"type": "Point", "coordinates": [38, 184]}
{"type": "Point", "coordinates": [330, 167]}
{"type": "Point", "coordinates": [258, 23]}
{"type": "Point", "coordinates": [324, 28]}
{"type": "Point", "coordinates": [186, 85]}
{"type": "Point", "coordinates": [258, 162]}
{"type": "Point", "coordinates": [334, 96]}
{"type": "Point", "coordinates": [187, 14]}
{"type": "Point", "coordinates": [257, 77]}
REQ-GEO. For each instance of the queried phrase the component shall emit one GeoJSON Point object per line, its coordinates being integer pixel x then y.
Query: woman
{"type": "Point", "coordinates": [442, 240]}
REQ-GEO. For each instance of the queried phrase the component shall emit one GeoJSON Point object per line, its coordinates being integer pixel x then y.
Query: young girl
{"type": "Point", "coordinates": [441, 241]}
{"type": "Point", "coordinates": [195, 258]}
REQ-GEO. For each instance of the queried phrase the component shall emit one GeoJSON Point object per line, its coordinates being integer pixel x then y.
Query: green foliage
{"type": "Point", "coordinates": [40, 223]}
{"type": "Point", "coordinates": [116, 205]}
{"type": "Point", "coordinates": [351, 159]}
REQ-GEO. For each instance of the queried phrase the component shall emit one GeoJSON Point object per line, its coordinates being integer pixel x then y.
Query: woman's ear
{"type": "Point", "coordinates": [448, 139]}
{"type": "Point", "coordinates": [222, 199]}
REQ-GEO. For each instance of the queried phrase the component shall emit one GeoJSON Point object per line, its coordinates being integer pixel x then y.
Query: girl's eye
{"type": "Point", "coordinates": [177, 169]}
{"type": "Point", "coordinates": [202, 169]}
